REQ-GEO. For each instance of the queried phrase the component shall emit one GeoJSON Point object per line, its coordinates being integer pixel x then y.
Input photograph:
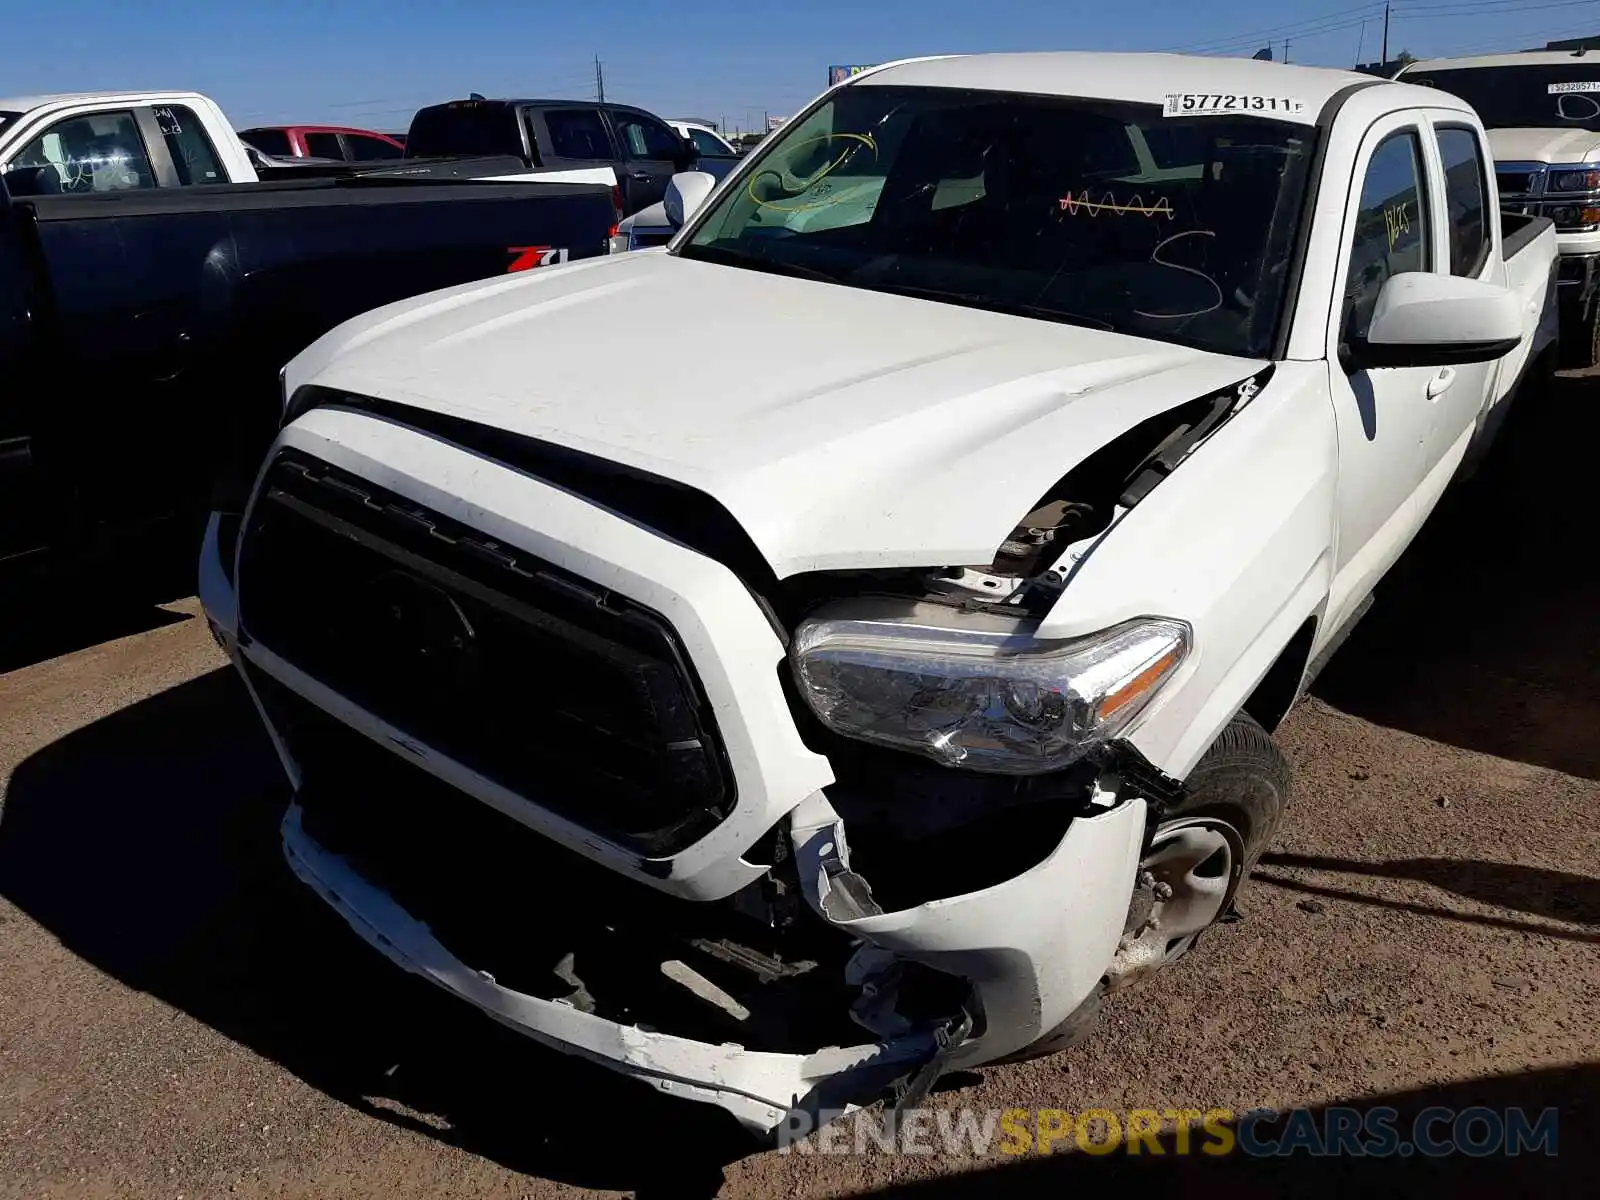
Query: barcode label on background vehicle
{"type": "Point", "coordinates": [1558, 89]}
{"type": "Point", "coordinates": [1210, 104]}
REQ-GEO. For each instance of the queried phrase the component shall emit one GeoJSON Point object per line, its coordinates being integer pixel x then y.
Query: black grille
{"type": "Point", "coordinates": [1515, 183]}
{"type": "Point", "coordinates": [558, 689]}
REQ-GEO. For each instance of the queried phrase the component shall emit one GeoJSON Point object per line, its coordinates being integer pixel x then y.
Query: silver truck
{"type": "Point", "coordinates": [1542, 111]}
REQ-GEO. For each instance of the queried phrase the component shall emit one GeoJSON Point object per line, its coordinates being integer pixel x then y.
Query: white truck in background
{"type": "Point", "coordinates": [1542, 111]}
{"type": "Point", "coordinates": [95, 142]}
{"type": "Point", "coordinates": [783, 736]}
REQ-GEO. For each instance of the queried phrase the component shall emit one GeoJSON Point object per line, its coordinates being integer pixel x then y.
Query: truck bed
{"type": "Point", "coordinates": [148, 328]}
{"type": "Point", "coordinates": [1529, 248]}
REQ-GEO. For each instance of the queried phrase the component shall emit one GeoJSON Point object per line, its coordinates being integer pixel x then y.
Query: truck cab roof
{"type": "Point", "coordinates": [1521, 58]}
{"type": "Point", "coordinates": [22, 104]}
{"type": "Point", "coordinates": [1136, 78]}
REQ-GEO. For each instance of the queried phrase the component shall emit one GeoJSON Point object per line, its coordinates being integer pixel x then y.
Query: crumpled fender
{"type": "Point", "coordinates": [1239, 542]}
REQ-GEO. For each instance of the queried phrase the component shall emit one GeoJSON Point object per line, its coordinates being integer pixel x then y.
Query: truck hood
{"type": "Point", "coordinates": [842, 428]}
{"type": "Point", "coordinates": [1544, 145]}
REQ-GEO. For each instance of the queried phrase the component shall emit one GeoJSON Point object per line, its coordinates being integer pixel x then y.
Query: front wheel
{"type": "Point", "coordinates": [1203, 849]}
{"type": "Point", "coordinates": [1199, 854]}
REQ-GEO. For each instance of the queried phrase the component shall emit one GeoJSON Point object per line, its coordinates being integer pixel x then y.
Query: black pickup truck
{"type": "Point", "coordinates": [641, 149]}
{"type": "Point", "coordinates": [142, 332]}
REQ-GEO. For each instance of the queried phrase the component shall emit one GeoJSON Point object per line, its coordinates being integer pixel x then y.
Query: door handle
{"type": "Point", "coordinates": [641, 176]}
{"type": "Point", "coordinates": [1441, 383]}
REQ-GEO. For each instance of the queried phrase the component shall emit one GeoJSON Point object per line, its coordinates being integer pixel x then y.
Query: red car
{"type": "Point", "coordinates": [323, 141]}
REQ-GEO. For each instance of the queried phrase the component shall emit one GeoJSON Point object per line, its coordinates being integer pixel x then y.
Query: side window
{"type": "Point", "coordinates": [269, 141]}
{"type": "Point", "coordinates": [324, 145]}
{"type": "Point", "coordinates": [1391, 233]}
{"type": "Point", "coordinates": [645, 138]}
{"type": "Point", "coordinates": [707, 143]}
{"type": "Point", "coordinates": [577, 133]}
{"type": "Point", "coordinates": [100, 152]}
{"type": "Point", "coordinates": [369, 149]}
{"type": "Point", "coordinates": [193, 157]}
{"type": "Point", "coordinates": [1466, 199]}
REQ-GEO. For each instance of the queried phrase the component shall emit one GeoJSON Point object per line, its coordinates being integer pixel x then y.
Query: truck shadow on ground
{"type": "Point", "coordinates": [147, 844]}
{"type": "Point", "coordinates": [1571, 1090]}
{"type": "Point", "coordinates": [1482, 636]}
{"type": "Point", "coordinates": [56, 610]}
{"type": "Point", "coordinates": [1537, 891]}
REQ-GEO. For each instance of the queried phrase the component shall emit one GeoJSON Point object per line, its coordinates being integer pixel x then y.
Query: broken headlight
{"type": "Point", "coordinates": [979, 690]}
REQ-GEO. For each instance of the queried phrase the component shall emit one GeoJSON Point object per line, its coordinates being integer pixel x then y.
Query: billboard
{"type": "Point", "coordinates": [840, 74]}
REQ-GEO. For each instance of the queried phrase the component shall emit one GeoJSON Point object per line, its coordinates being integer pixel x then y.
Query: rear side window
{"type": "Point", "coordinates": [269, 141]}
{"type": "Point", "coordinates": [193, 157]}
{"type": "Point", "coordinates": [707, 143]}
{"type": "Point", "coordinates": [1391, 233]}
{"type": "Point", "coordinates": [369, 149]}
{"type": "Point", "coordinates": [324, 145]}
{"type": "Point", "coordinates": [99, 152]}
{"type": "Point", "coordinates": [645, 138]}
{"type": "Point", "coordinates": [577, 133]}
{"type": "Point", "coordinates": [1466, 199]}
{"type": "Point", "coordinates": [465, 128]}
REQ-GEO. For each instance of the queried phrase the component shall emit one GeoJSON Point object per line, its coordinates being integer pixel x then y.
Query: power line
{"type": "Point", "coordinates": [1414, 15]}
{"type": "Point", "coordinates": [1292, 28]}
{"type": "Point", "coordinates": [1489, 6]}
{"type": "Point", "coordinates": [1456, 49]}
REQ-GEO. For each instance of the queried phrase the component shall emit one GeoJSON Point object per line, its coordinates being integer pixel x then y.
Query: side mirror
{"type": "Point", "coordinates": [1427, 320]}
{"type": "Point", "coordinates": [685, 194]}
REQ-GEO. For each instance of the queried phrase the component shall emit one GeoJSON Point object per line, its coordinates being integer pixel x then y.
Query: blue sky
{"type": "Point", "coordinates": [373, 62]}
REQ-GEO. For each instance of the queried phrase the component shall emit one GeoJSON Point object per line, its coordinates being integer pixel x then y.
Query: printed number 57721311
{"type": "Point", "coordinates": [1195, 104]}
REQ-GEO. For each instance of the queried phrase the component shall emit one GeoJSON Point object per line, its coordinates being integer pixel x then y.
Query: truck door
{"type": "Point", "coordinates": [574, 137]}
{"type": "Point", "coordinates": [1471, 248]}
{"type": "Point", "coordinates": [23, 503]}
{"type": "Point", "coordinates": [1385, 416]}
{"type": "Point", "coordinates": [128, 283]}
{"type": "Point", "coordinates": [654, 153]}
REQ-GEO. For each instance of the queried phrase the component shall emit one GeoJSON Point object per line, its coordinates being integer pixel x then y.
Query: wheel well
{"type": "Point", "coordinates": [1280, 686]}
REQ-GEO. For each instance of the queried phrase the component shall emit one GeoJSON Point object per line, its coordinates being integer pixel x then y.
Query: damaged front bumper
{"type": "Point", "coordinates": [1034, 945]}
{"type": "Point", "coordinates": [1029, 950]}
{"type": "Point", "coordinates": [759, 1089]}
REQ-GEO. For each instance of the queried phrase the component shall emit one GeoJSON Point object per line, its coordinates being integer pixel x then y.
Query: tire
{"type": "Point", "coordinates": [1241, 782]}
{"type": "Point", "coordinates": [1243, 777]}
{"type": "Point", "coordinates": [1580, 341]}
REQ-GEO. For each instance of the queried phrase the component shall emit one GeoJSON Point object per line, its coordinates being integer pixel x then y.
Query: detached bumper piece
{"type": "Point", "coordinates": [759, 1088]}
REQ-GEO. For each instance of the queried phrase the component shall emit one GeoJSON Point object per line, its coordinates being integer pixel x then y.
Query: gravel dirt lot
{"type": "Point", "coordinates": [177, 1020]}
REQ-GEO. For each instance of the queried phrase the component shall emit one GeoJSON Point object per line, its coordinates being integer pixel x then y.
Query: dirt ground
{"type": "Point", "coordinates": [178, 1020]}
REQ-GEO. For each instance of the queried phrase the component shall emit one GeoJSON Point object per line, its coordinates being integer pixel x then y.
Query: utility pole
{"type": "Point", "coordinates": [1285, 49]}
{"type": "Point", "coordinates": [599, 80]}
{"type": "Point", "coordinates": [1385, 57]}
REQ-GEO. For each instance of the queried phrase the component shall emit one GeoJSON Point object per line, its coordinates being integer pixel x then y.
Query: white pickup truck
{"type": "Point", "coordinates": [1542, 111]}
{"type": "Point", "coordinates": [784, 735]}
{"type": "Point", "coordinates": [95, 142]}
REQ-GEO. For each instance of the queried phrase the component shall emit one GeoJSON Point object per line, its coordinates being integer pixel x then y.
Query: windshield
{"type": "Point", "coordinates": [1533, 97]}
{"type": "Point", "coordinates": [1083, 211]}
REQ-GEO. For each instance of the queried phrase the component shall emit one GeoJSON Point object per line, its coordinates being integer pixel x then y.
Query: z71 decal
{"type": "Point", "coordinates": [525, 258]}
{"type": "Point", "coordinates": [1211, 104]}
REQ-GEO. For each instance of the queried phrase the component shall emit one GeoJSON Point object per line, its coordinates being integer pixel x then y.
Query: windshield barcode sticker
{"type": "Point", "coordinates": [1210, 104]}
{"type": "Point", "coordinates": [1561, 89]}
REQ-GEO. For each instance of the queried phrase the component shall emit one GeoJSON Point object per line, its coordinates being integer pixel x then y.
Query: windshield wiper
{"type": "Point", "coordinates": [755, 262]}
{"type": "Point", "coordinates": [1016, 308]}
